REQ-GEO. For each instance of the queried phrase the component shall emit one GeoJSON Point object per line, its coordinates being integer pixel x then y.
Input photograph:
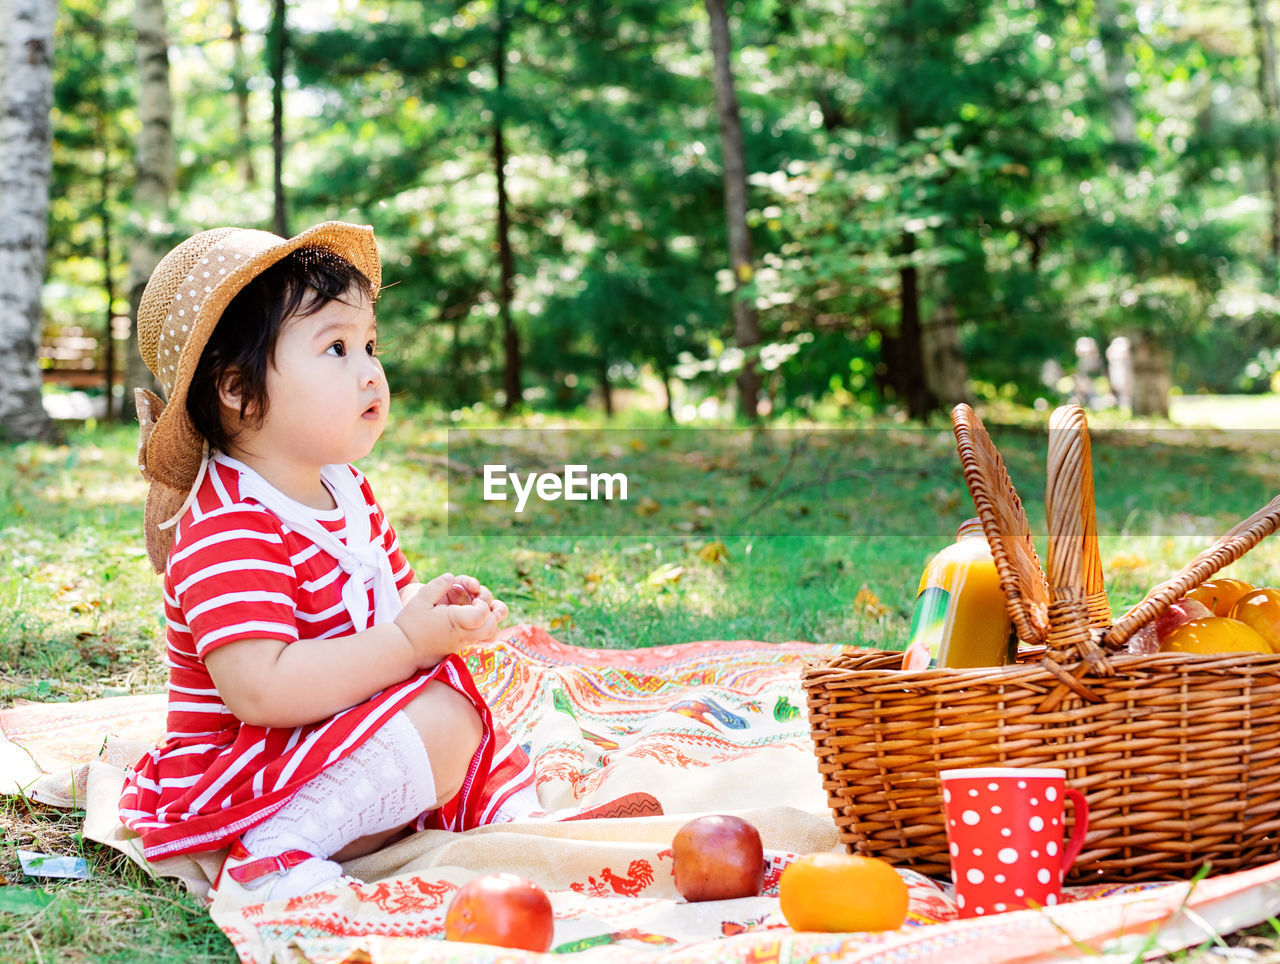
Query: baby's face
{"type": "Point", "coordinates": [327, 396]}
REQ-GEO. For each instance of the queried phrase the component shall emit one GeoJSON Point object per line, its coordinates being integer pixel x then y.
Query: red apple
{"type": "Point", "coordinates": [503, 910]}
{"type": "Point", "coordinates": [718, 858]}
{"type": "Point", "coordinates": [456, 595]}
{"type": "Point", "coordinates": [1180, 611]}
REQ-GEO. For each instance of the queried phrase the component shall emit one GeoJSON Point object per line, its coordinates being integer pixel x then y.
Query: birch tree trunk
{"type": "Point", "coordinates": [746, 320]}
{"type": "Point", "coordinates": [155, 175]}
{"type": "Point", "coordinates": [26, 95]}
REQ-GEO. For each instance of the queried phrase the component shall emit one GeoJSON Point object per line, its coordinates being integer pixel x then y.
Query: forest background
{"type": "Point", "coordinates": [941, 196]}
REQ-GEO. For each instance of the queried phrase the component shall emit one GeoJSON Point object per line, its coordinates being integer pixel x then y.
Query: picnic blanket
{"type": "Point", "coordinates": [705, 727]}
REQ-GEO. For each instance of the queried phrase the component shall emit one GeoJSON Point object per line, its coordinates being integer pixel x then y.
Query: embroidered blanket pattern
{"type": "Point", "coordinates": [705, 727]}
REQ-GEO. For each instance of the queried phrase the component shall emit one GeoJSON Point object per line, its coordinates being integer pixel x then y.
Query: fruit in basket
{"type": "Point", "coordinates": [717, 858]}
{"type": "Point", "coordinates": [1261, 610]}
{"type": "Point", "coordinates": [842, 892]}
{"type": "Point", "coordinates": [1214, 634]}
{"type": "Point", "coordinates": [503, 910]}
{"type": "Point", "coordinates": [1220, 594]}
{"type": "Point", "coordinates": [1180, 611]}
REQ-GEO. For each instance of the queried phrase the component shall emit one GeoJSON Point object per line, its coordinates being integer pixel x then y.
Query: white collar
{"type": "Point", "coordinates": [361, 557]}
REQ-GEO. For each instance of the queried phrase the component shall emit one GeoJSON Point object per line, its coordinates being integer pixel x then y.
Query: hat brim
{"type": "Point", "coordinates": [173, 451]}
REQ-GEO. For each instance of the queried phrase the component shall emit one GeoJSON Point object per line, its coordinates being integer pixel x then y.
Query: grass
{"type": "Point", "coordinates": [801, 532]}
{"type": "Point", "coordinates": [120, 914]}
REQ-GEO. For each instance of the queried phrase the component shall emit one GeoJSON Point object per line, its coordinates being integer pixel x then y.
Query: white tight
{"type": "Point", "coordinates": [385, 783]}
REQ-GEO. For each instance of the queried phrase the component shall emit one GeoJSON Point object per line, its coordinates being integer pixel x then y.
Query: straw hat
{"type": "Point", "coordinates": [186, 295]}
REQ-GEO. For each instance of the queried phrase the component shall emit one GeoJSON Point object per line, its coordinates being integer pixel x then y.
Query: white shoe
{"type": "Point", "coordinates": [246, 879]}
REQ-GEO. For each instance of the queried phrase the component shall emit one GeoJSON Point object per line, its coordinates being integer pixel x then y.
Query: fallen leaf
{"type": "Point", "coordinates": [647, 505]}
{"type": "Point", "coordinates": [664, 575]}
{"type": "Point", "coordinates": [869, 604]}
{"type": "Point", "coordinates": [714, 552]}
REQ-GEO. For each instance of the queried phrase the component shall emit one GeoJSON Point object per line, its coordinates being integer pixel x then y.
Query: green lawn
{"type": "Point", "coordinates": [803, 532]}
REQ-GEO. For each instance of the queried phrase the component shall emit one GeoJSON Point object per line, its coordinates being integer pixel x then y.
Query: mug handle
{"type": "Point", "coordinates": [1078, 831]}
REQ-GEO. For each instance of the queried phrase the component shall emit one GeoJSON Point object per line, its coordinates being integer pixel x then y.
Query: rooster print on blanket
{"type": "Point", "coordinates": [407, 895]}
{"type": "Point", "coordinates": [608, 884]}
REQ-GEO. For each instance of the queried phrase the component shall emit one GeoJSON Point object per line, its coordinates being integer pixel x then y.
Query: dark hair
{"type": "Point", "coordinates": [243, 342]}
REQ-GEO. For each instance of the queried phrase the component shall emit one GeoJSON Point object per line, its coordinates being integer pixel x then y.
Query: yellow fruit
{"type": "Point", "coordinates": [1260, 610]}
{"type": "Point", "coordinates": [842, 892]}
{"type": "Point", "coordinates": [1220, 594]}
{"type": "Point", "coordinates": [1214, 634]}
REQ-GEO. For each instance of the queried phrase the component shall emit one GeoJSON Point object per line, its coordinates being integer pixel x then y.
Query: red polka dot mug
{"type": "Point", "coordinates": [1006, 831]}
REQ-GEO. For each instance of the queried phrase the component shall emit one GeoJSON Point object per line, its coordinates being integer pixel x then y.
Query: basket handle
{"type": "Point", "coordinates": [1070, 481]}
{"type": "Point", "coordinates": [1073, 562]}
{"type": "Point", "coordinates": [1230, 547]}
{"type": "Point", "coordinates": [1005, 523]}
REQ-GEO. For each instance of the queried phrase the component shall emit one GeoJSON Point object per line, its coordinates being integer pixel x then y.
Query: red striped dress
{"type": "Point", "coordinates": [236, 571]}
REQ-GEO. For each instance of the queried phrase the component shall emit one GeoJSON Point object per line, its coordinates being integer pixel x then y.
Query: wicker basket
{"type": "Point", "coordinates": [1178, 755]}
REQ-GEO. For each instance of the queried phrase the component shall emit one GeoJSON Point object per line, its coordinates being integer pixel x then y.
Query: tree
{"type": "Point", "coordinates": [746, 323]}
{"type": "Point", "coordinates": [601, 166]}
{"type": "Point", "coordinates": [612, 319]}
{"type": "Point", "coordinates": [904, 349]}
{"type": "Point", "coordinates": [26, 94]}
{"type": "Point", "coordinates": [513, 389]}
{"type": "Point", "coordinates": [92, 177]}
{"type": "Point", "coordinates": [1265, 45]}
{"type": "Point", "coordinates": [1150, 357]}
{"type": "Point", "coordinates": [240, 87]}
{"type": "Point", "coordinates": [628, 290]}
{"type": "Point", "coordinates": [154, 168]}
{"type": "Point", "coordinates": [278, 43]}
{"type": "Point", "coordinates": [884, 228]}
{"type": "Point", "coordinates": [931, 185]}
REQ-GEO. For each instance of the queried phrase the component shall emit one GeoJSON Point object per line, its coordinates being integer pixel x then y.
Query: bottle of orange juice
{"type": "Point", "coordinates": [960, 617]}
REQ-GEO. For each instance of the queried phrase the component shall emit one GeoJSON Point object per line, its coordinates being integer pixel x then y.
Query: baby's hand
{"type": "Point", "coordinates": [481, 593]}
{"type": "Point", "coordinates": [436, 627]}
